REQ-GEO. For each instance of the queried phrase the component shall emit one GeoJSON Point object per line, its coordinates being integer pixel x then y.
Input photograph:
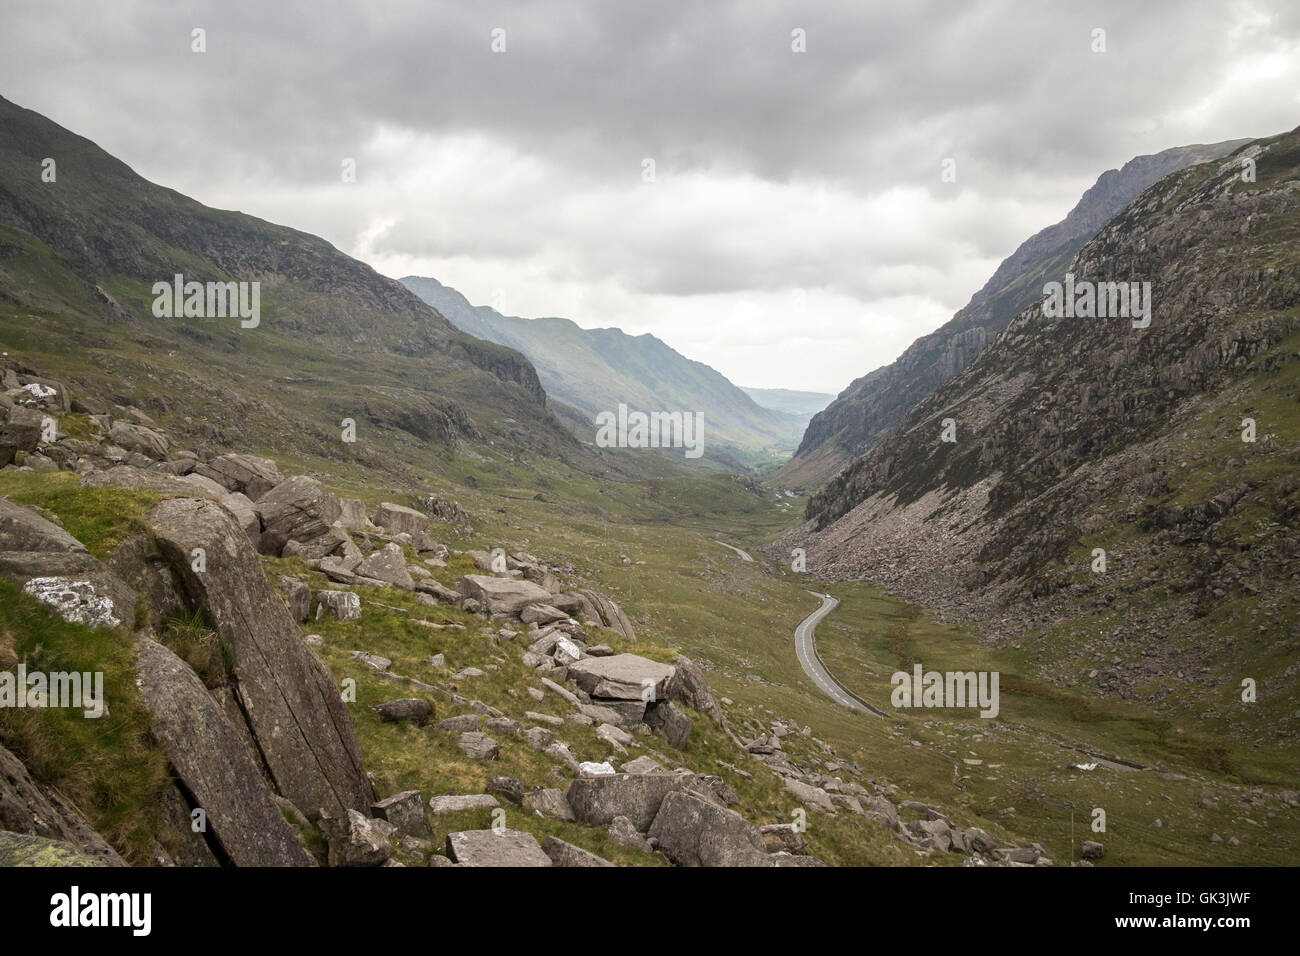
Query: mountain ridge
{"type": "Point", "coordinates": [871, 406]}
{"type": "Point", "coordinates": [594, 370]}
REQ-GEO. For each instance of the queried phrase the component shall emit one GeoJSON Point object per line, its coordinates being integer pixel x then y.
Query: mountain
{"type": "Point", "coordinates": [594, 370]}
{"type": "Point", "coordinates": [79, 258]}
{"type": "Point", "coordinates": [871, 407]}
{"type": "Point", "coordinates": [1122, 500]}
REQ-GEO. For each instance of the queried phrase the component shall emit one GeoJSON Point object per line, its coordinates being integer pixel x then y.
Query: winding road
{"type": "Point", "coordinates": [744, 555]}
{"type": "Point", "coordinates": [805, 647]}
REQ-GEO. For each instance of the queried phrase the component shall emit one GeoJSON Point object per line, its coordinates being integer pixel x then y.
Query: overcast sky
{"type": "Point", "coordinates": [797, 231]}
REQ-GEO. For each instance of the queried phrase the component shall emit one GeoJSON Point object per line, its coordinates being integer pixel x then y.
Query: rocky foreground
{"type": "Point", "coordinates": [268, 751]}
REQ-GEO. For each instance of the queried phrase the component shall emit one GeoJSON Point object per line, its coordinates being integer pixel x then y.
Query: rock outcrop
{"type": "Point", "coordinates": [294, 708]}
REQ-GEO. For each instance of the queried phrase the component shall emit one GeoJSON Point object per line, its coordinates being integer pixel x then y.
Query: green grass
{"type": "Point", "coordinates": [100, 518]}
{"type": "Point", "coordinates": [110, 767]}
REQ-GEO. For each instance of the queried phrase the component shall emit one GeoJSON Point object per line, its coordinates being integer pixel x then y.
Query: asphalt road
{"type": "Point", "coordinates": [806, 649]}
{"type": "Point", "coordinates": [744, 555]}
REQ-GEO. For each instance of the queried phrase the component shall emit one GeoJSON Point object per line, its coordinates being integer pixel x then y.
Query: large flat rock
{"type": "Point", "coordinates": [502, 595]}
{"type": "Point", "coordinates": [621, 677]}
{"type": "Point", "coordinates": [495, 848]}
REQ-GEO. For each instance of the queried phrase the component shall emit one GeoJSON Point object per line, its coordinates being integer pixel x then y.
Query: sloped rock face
{"type": "Point", "coordinates": [294, 708]}
{"type": "Point", "coordinates": [28, 808]}
{"type": "Point", "coordinates": [610, 613]}
{"type": "Point", "coordinates": [210, 760]}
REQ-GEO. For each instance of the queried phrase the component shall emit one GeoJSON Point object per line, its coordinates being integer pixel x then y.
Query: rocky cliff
{"type": "Point", "coordinates": [872, 406]}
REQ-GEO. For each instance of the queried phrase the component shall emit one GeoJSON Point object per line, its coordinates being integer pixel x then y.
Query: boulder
{"type": "Point", "coordinates": [548, 802]}
{"type": "Point", "coordinates": [692, 831]}
{"type": "Point", "coordinates": [814, 798]}
{"type": "Point", "coordinates": [783, 836]}
{"type": "Point", "coordinates": [508, 788]}
{"type": "Point", "coordinates": [239, 505]}
{"type": "Point", "coordinates": [388, 564]}
{"type": "Point", "coordinates": [299, 509]}
{"type": "Point", "coordinates": [344, 605]}
{"type": "Point", "coordinates": [1092, 850]}
{"type": "Point", "coordinates": [622, 832]}
{"type": "Point", "coordinates": [415, 710]}
{"type": "Point", "coordinates": [405, 812]}
{"type": "Point", "coordinates": [297, 594]}
{"type": "Point", "coordinates": [495, 848]}
{"type": "Point", "coordinates": [464, 723]}
{"type": "Point", "coordinates": [293, 706]}
{"type": "Point", "coordinates": [439, 591]}
{"type": "Point", "coordinates": [542, 614]}
{"type": "Point", "coordinates": [458, 803]}
{"type": "Point", "coordinates": [477, 746]}
{"type": "Point", "coordinates": [397, 519]}
{"type": "Point", "coordinates": [539, 738]}
{"type": "Point", "coordinates": [609, 614]}
{"type": "Point", "coordinates": [597, 800]}
{"type": "Point", "coordinates": [356, 840]}
{"type": "Point", "coordinates": [566, 854]}
{"type": "Point", "coordinates": [210, 760]}
{"type": "Point", "coordinates": [138, 438]}
{"type": "Point", "coordinates": [882, 811]}
{"type": "Point", "coordinates": [642, 765]}
{"type": "Point", "coordinates": [248, 474]}
{"type": "Point", "coordinates": [621, 677]}
{"type": "Point", "coordinates": [501, 595]}
{"type": "Point", "coordinates": [688, 686]}
{"type": "Point", "coordinates": [936, 834]}
{"type": "Point", "coordinates": [666, 720]}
